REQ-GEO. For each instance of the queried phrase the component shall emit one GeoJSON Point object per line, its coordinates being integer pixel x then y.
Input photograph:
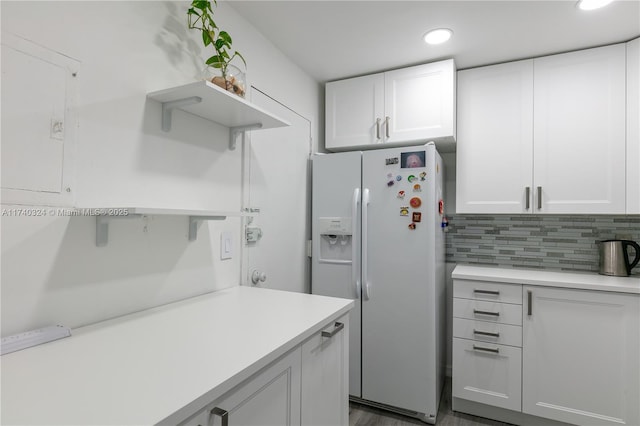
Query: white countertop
{"type": "Point", "coordinates": [577, 280]}
{"type": "Point", "coordinates": [140, 368]}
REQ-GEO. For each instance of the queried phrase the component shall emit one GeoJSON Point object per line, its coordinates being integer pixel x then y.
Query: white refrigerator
{"type": "Point", "coordinates": [377, 238]}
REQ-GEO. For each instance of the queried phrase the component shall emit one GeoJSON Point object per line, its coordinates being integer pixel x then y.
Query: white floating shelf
{"type": "Point", "coordinates": [105, 215]}
{"type": "Point", "coordinates": [206, 100]}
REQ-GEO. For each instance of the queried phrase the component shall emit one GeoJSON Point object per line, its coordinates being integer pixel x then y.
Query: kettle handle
{"type": "Point", "coordinates": [636, 247]}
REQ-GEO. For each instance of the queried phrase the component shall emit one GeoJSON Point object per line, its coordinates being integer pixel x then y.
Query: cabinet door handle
{"type": "Point", "coordinates": [539, 193]}
{"type": "Point", "coordinates": [386, 126]}
{"type": "Point", "coordinates": [477, 312]}
{"type": "Point", "coordinates": [492, 292]}
{"type": "Point", "coordinates": [377, 128]}
{"type": "Point", "coordinates": [486, 333]}
{"type": "Point", "coordinates": [224, 415]}
{"type": "Point", "coordinates": [529, 303]}
{"type": "Point", "coordinates": [481, 348]}
{"type": "Point", "coordinates": [336, 328]}
{"type": "Point", "coordinates": [527, 197]}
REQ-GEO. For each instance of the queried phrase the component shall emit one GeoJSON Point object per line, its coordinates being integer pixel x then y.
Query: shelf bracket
{"type": "Point", "coordinates": [195, 220]}
{"type": "Point", "coordinates": [235, 131]}
{"type": "Point", "coordinates": [102, 227]}
{"type": "Point", "coordinates": [168, 107]}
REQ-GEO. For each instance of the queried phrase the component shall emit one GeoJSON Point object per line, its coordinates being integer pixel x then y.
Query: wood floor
{"type": "Point", "coordinates": [362, 415]}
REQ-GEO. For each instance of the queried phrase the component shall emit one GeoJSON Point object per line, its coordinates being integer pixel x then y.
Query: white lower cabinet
{"type": "Point", "coordinates": [487, 340]}
{"type": "Point", "coordinates": [575, 358]}
{"type": "Point", "coordinates": [325, 377]}
{"type": "Point", "coordinates": [581, 358]}
{"type": "Point", "coordinates": [307, 386]}
{"type": "Point", "coordinates": [272, 397]}
{"type": "Point", "coordinates": [487, 373]}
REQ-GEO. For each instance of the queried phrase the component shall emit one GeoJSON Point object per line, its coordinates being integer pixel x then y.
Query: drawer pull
{"type": "Point", "coordinates": [477, 312]}
{"type": "Point", "coordinates": [337, 327]}
{"type": "Point", "coordinates": [481, 348]}
{"type": "Point", "coordinates": [492, 292]}
{"type": "Point", "coordinates": [486, 333]}
{"type": "Point", "coordinates": [224, 415]}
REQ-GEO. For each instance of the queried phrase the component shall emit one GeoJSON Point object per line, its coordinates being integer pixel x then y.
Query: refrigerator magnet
{"type": "Point", "coordinates": [412, 226]}
{"type": "Point", "coordinates": [401, 194]}
{"type": "Point", "coordinates": [411, 178]}
{"type": "Point", "coordinates": [404, 211]}
{"type": "Point", "coordinates": [415, 202]}
{"type": "Point", "coordinates": [441, 207]}
{"type": "Point", "coordinates": [390, 183]}
{"type": "Point", "coordinates": [417, 187]}
{"type": "Point", "coordinates": [398, 178]}
{"type": "Point", "coordinates": [423, 176]}
{"type": "Point", "coordinates": [416, 217]}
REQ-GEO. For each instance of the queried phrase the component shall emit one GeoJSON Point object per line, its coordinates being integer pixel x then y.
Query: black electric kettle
{"type": "Point", "coordinates": [614, 257]}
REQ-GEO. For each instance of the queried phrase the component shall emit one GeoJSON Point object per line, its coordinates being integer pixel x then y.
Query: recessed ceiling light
{"type": "Point", "coordinates": [438, 36]}
{"type": "Point", "coordinates": [593, 4]}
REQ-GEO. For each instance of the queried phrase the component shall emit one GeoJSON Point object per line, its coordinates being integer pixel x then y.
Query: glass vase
{"type": "Point", "coordinates": [233, 80]}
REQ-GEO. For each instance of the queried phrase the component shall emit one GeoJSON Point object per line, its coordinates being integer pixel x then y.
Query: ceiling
{"type": "Point", "coordinates": [332, 39]}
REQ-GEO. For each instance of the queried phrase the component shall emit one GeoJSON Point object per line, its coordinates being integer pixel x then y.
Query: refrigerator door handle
{"type": "Point", "coordinates": [355, 246]}
{"type": "Point", "coordinates": [365, 213]}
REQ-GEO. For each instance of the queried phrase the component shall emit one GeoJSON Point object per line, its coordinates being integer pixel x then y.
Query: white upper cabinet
{"type": "Point", "coordinates": [579, 131]}
{"type": "Point", "coordinates": [354, 109]}
{"type": "Point", "coordinates": [495, 138]}
{"type": "Point", "coordinates": [633, 126]}
{"type": "Point", "coordinates": [406, 106]}
{"type": "Point", "coordinates": [543, 136]}
{"type": "Point", "coordinates": [419, 103]}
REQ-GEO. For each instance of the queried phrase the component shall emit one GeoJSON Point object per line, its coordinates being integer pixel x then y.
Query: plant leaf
{"type": "Point", "coordinates": [215, 61]}
{"type": "Point", "coordinates": [206, 38]}
{"type": "Point", "coordinates": [201, 4]}
{"type": "Point", "coordinates": [220, 44]}
{"type": "Point", "coordinates": [225, 36]}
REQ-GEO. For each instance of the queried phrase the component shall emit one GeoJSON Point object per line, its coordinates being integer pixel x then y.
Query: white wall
{"type": "Point", "coordinates": [52, 272]}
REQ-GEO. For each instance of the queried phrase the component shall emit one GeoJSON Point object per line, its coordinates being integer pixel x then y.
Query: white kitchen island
{"type": "Point", "coordinates": [167, 364]}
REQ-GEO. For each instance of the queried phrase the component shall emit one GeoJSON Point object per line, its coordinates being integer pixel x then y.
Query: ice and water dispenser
{"type": "Point", "coordinates": [336, 239]}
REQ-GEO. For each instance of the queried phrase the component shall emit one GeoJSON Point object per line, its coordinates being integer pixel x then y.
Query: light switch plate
{"type": "Point", "coordinates": [226, 245]}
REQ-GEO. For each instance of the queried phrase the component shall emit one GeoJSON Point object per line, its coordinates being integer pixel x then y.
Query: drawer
{"type": "Point", "coordinates": [487, 290]}
{"type": "Point", "coordinates": [503, 313]}
{"type": "Point", "coordinates": [487, 373]}
{"type": "Point", "coordinates": [484, 331]}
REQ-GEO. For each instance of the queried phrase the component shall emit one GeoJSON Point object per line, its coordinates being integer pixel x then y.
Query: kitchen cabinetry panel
{"type": "Point", "coordinates": [271, 397]}
{"type": "Point", "coordinates": [580, 349]}
{"type": "Point", "coordinates": [354, 110]}
{"type": "Point", "coordinates": [487, 373]}
{"type": "Point", "coordinates": [420, 103]}
{"type": "Point", "coordinates": [580, 356]}
{"type": "Point", "coordinates": [579, 131]}
{"type": "Point", "coordinates": [503, 313]}
{"type": "Point", "coordinates": [484, 331]}
{"type": "Point", "coordinates": [402, 107]}
{"type": "Point", "coordinates": [492, 292]}
{"type": "Point", "coordinates": [495, 138]}
{"type": "Point", "coordinates": [543, 136]}
{"type": "Point", "coordinates": [633, 127]}
{"type": "Point", "coordinates": [325, 364]}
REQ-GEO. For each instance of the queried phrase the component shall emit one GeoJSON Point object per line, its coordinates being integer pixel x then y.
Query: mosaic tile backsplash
{"type": "Point", "coordinates": [542, 242]}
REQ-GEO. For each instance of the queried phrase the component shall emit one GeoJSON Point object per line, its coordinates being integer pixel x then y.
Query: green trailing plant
{"type": "Point", "coordinates": [200, 17]}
